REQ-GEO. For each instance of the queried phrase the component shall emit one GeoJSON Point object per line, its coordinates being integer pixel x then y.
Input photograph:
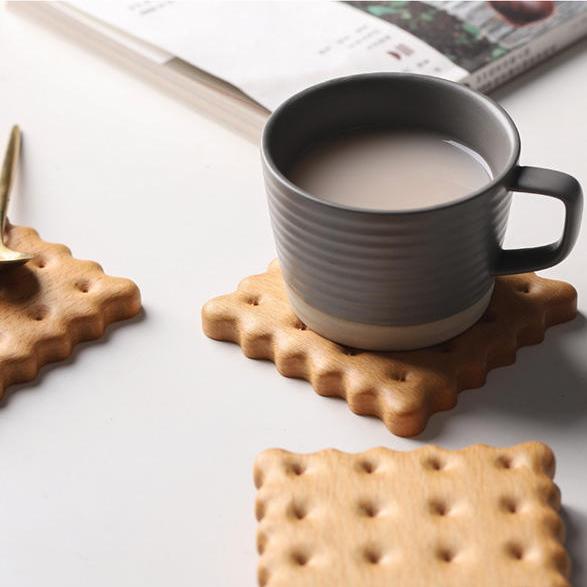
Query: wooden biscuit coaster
{"type": "Point", "coordinates": [476, 517]}
{"type": "Point", "coordinates": [52, 303]}
{"type": "Point", "coordinates": [402, 388]}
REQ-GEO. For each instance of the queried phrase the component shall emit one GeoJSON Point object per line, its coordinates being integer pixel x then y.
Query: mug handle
{"type": "Point", "coordinates": [556, 184]}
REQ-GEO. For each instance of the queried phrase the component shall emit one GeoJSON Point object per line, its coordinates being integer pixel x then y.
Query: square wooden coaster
{"type": "Point", "coordinates": [52, 303]}
{"type": "Point", "coordinates": [401, 388]}
{"type": "Point", "coordinates": [476, 517]}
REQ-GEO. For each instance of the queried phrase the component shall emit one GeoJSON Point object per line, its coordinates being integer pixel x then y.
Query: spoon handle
{"type": "Point", "coordinates": [7, 176]}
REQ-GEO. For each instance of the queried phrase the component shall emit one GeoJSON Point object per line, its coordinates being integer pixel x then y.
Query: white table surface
{"type": "Point", "coordinates": [130, 465]}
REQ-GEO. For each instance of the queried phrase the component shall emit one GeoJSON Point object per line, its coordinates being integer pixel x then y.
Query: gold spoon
{"type": "Point", "coordinates": [8, 257]}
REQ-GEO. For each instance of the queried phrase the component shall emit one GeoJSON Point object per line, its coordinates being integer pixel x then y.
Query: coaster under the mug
{"type": "Point", "coordinates": [401, 388]}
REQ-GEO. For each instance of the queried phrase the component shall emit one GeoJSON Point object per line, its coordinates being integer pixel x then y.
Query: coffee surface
{"type": "Point", "coordinates": [390, 170]}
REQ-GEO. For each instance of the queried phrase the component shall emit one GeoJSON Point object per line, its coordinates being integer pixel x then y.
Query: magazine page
{"type": "Point", "coordinates": [272, 50]}
{"type": "Point", "coordinates": [137, 46]}
{"type": "Point", "coordinates": [475, 34]}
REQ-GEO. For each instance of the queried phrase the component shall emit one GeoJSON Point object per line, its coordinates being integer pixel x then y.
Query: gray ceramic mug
{"type": "Point", "coordinates": [391, 280]}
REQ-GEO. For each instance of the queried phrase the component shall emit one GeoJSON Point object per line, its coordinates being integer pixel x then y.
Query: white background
{"type": "Point", "coordinates": [130, 465]}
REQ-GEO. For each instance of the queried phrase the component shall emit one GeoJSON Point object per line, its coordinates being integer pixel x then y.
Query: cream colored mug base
{"type": "Point", "coordinates": [387, 338]}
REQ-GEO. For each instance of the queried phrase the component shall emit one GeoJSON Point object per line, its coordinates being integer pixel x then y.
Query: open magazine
{"type": "Point", "coordinates": [250, 56]}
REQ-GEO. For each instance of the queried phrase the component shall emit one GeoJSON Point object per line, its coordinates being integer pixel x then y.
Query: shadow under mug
{"type": "Point", "coordinates": [399, 280]}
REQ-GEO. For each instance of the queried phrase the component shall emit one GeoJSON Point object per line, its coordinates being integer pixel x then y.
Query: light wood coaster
{"type": "Point", "coordinates": [52, 303]}
{"type": "Point", "coordinates": [476, 517]}
{"type": "Point", "coordinates": [401, 388]}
